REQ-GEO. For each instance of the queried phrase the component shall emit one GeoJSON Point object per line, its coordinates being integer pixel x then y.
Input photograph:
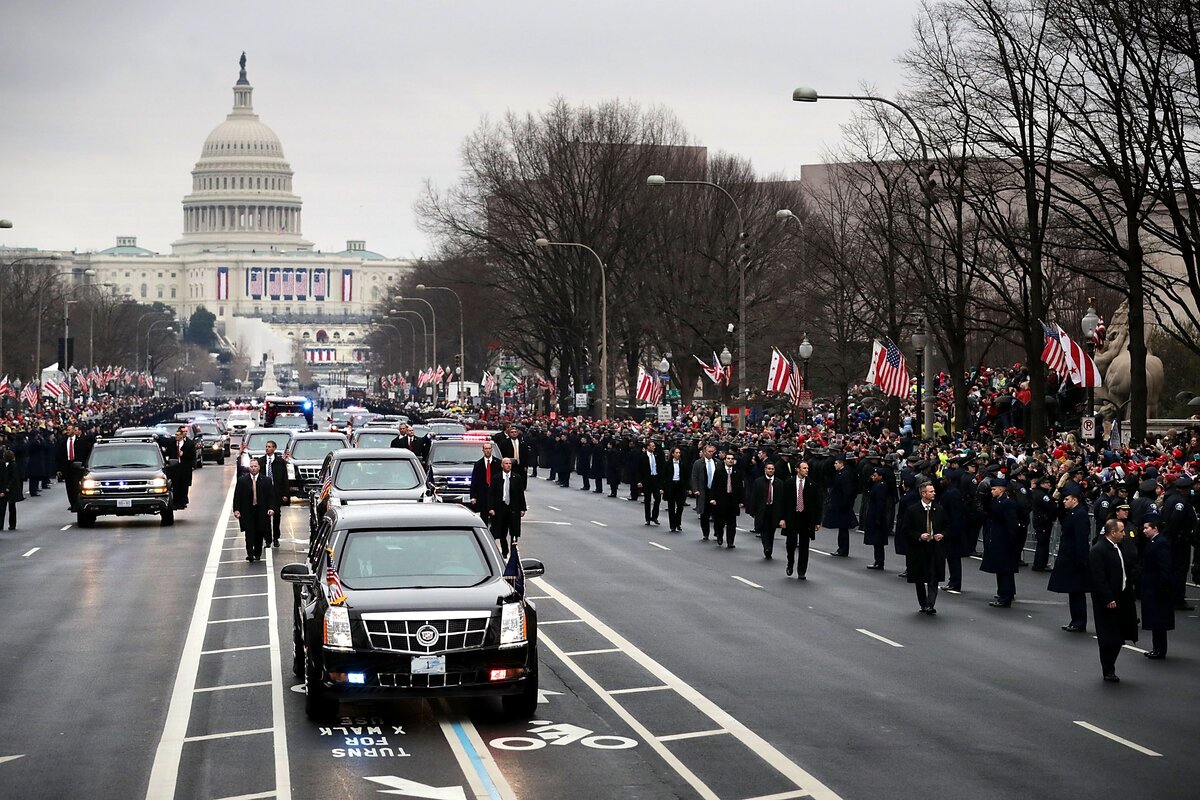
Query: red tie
{"type": "Point", "coordinates": [770, 491]}
{"type": "Point", "coordinates": [71, 449]}
{"type": "Point", "coordinates": [489, 472]}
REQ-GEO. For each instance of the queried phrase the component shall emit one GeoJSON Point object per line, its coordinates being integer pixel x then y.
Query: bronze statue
{"type": "Point", "coordinates": [1112, 359]}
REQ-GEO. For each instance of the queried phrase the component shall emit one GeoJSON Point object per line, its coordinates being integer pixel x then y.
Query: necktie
{"type": "Point", "coordinates": [800, 495]}
{"type": "Point", "coordinates": [253, 491]}
{"type": "Point", "coordinates": [653, 466]}
{"type": "Point", "coordinates": [709, 467]}
{"type": "Point", "coordinates": [770, 491]}
{"type": "Point", "coordinates": [728, 481]}
{"type": "Point", "coordinates": [488, 473]}
{"type": "Point", "coordinates": [516, 452]}
{"type": "Point", "coordinates": [506, 489]}
{"type": "Point", "coordinates": [270, 461]}
{"type": "Point", "coordinates": [71, 449]}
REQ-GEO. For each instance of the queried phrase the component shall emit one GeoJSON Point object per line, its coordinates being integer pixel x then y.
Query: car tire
{"type": "Point", "coordinates": [524, 705]}
{"type": "Point", "coordinates": [221, 461]}
{"type": "Point", "coordinates": [317, 706]}
{"type": "Point", "coordinates": [167, 517]}
{"type": "Point", "coordinates": [85, 520]}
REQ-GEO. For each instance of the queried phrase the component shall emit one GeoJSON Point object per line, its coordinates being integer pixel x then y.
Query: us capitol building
{"type": "Point", "coordinates": [243, 255]}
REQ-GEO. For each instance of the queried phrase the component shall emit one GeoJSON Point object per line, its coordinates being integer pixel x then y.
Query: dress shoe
{"type": "Point", "coordinates": [1155, 655]}
{"type": "Point", "coordinates": [1000, 604]}
{"type": "Point", "coordinates": [836, 554]}
{"type": "Point", "coordinates": [704, 538]}
{"type": "Point", "coordinates": [801, 577]}
{"type": "Point", "coordinates": [275, 543]}
{"type": "Point", "coordinates": [734, 547]}
{"type": "Point", "coordinates": [903, 574]}
{"type": "Point", "coordinates": [1040, 569]}
{"type": "Point", "coordinates": [1112, 678]}
{"type": "Point", "coordinates": [250, 559]}
{"type": "Point", "coordinates": [875, 566]}
{"type": "Point", "coordinates": [924, 610]}
{"type": "Point", "coordinates": [1074, 629]}
{"type": "Point", "coordinates": [932, 611]}
{"type": "Point", "coordinates": [790, 570]}
{"type": "Point", "coordinates": [647, 523]}
{"type": "Point", "coordinates": [656, 522]}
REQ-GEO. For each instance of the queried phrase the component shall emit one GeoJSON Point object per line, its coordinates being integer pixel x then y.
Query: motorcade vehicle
{"type": "Point", "coordinates": [124, 477]}
{"type": "Point", "coordinates": [273, 406]}
{"type": "Point", "coordinates": [216, 440]}
{"type": "Point", "coordinates": [447, 429]}
{"type": "Point", "coordinates": [296, 422]}
{"type": "Point", "coordinates": [360, 418]}
{"type": "Point", "coordinates": [339, 419]}
{"type": "Point", "coordinates": [304, 455]}
{"type": "Point", "coordinates": [450, 462]}
{"type": "Point", "coordinates": [386, 421]}
{"type": "Point", "coordinates": [373, 437]}
{"type": "Point", "coordinates": [255, 444]}
{"type": "Point", "coordinates": [368, 475]}
{"type": "Point", "coordinates": [392, 606]}
{"type": "Point", "coordinates": [238, 422]}
{"type": "Point", "coordinates": [166, 430]}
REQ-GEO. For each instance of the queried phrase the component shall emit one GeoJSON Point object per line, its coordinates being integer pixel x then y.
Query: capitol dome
{"type": "Point", "coordinates": [241, 195]}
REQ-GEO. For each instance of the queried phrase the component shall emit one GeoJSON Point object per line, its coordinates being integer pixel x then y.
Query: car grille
{"type": "Point", "coordinates": [308, 473]}
{"type": "Point", "coordinates": [119, 488]}
{"type": "Point", "coordinates": [402, 680]}
{"type": "Point", "coordinates": [398, 632]}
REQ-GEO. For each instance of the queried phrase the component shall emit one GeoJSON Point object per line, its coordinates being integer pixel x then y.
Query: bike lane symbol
{"type": "Point", "coordinates": [561, 734]}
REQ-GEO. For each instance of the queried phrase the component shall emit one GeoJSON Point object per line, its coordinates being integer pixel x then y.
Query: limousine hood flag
{"type": "Point", "coordinates": [514, 573]}
{"type": "Point", "coordinates": [333, 584]}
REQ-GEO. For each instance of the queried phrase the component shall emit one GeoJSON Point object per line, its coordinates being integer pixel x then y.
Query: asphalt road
{"type": "Point", "coordinates": [154, 662]}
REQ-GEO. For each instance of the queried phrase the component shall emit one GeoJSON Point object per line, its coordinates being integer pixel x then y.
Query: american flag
{"type": "Point", "coordinates": [649, 389]}
{"type": "Point", "coordinates": [256, 282]}
{"type": "Point", "coordinates": [287, 283]}
{"type": "Point", "coordinates": [713, 371]}
{"type": "Point", "coordinates": [333, 583]}
{"type": "Point", "coordinates": [1052, 353]}
{"type": "Point", "coordinates": [6, 389]}
{"type": "Point", "coordinates": [51, 389]}
{"type": "Point", "coordinates": [1098, 334]}
{"type": "Point", "coordinates": [320, 278]}
{"type": "Point", "coordinates": [274, 286]}
{"type": "Point", "coordinates": [514, 573]}
{"type": "Point", "coordinates": [300, 283]}
{"type": "Point", "coordinates": [489, 382]}
{"type": "Point", "coordinates": [1080, 366]}
{"type": "Point", "coordinates": [795, 385]}
{"type": "Point", "coordinates": [30, 394]}
{"type": "Point", "coordinates": [889, 371]}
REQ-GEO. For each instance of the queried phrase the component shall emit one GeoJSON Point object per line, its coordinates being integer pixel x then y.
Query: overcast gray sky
{"type": "Point", "coordinates": [106, 105]}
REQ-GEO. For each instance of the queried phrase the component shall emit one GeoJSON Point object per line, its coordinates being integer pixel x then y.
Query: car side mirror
{"type": "Point", "coordinates": [533, 567]}
{"type": "Point", "coordinates": [297, 573]}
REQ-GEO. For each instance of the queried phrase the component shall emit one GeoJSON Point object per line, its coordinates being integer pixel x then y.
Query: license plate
{"type": "Point", "coordinates": [124, 504]}
{"type": "Point", "coordinates": [429, 665]}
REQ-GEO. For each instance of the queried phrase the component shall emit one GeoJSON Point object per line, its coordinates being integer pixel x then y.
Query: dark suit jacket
{"type": "Point", "coordinates": [279, 477]}
{"type": "Point", "coordinates": [728, 502]}
{"type": "Point", "coordinates": [243, 494]}
{"type": "Point", "coordinates": [803, 522]}
{"type": "Point", "coordinates": [767, 515]}
{"type": "Point", "coordinates": [506, 446]}
{"type": "Point", "coordinates": [83, 449]}
{"type": "Point", "coordinates": [1116, 626]}
{"type": "Point", "coordinates": [644, 478]}
{"type": "Point", "coordinates": [480, 492]}
{"type": "Point", "coordinates": [406, 442]}
{"type": "Point", "coordinates": [516, 494]}
{"type": "Point", "coordinates": [918, 555]}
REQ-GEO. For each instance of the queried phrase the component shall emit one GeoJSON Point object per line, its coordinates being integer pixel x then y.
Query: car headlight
{"type": "Point", "coordinates": [512, 624]}
{"type": "Point", "coordinates": [159, 482]}
{"type": "Point", "coordinates": [89, 483]}
{"type": "Point", "coordinates": [337, 629]}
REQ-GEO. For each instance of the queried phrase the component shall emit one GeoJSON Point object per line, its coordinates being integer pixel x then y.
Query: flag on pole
{"type": "Point", "coordinates": [795, 385]}
{"type": "Point", "coordinates": [333, 583]}
{"type": "Point", "coordinates": [715, 372]}
{"type": "Point", "coordinates": [1098, 334]}
{"type": "Point", "coordinates": [6, 389]}
{"type": "Point", "coordinates": [779, 372]}
{"type": "Point", "coordinates": [1082, 368]}
{"type": "Point", "coordinates": [649, 389]}
{"type": "Point", "coordinates": [30, 394]}
{"type": "Point", "coordinates": [1052, 353]}
{"type": "Point", "coordinates": [889, 370]}
{"type": "Point", "coordinates": [514, 573]}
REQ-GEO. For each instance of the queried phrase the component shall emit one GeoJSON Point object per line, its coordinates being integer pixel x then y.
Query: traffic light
{"type": "Point", "coordinates": [458, 359]}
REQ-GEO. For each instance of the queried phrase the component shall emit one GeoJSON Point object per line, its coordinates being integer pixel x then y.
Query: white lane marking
{"type": "Point", "coordinates": [542, 622]}
{"type": "Point", "coordinates": [554, 508]}
{"type": "Point", "coordinates": [764, 749]}
{"type": "Point", "coordinates": [255, 796]}
{"type": "Point", "coordinates": [639, 689]}
{"type": "Point", "coordinates": [659, 546]}
{"type": "Point", "coordinates": [538, 597]}
{"type": "Point", "coordinates": [595, 652]}
{"type": "Point", "coordinates": [822, 552]}
{"type": "Point", "coordinates": [543, 522]}
{"type": "Point", "coordinates": [1040, 602]}
{"type": "Point", "coordinates": [229, 735]}
{"type": "Point", "coordinates": [1132, 745]}
{"type": "Point", "coordinates": [4, 759]}
{"type": "Point", "coordinates": [1128, 647]}
{"type": "Point", "coordinates": [65, 527]}
{"type": "Point", "coordinates": [234, 561]}
{"type": "Point", "coordinates": [780, 796]}
{"type": "Point", "coordinates": [31, 552]}
{"type": "Point", "coordinates": [233, 596]}
{"type": "Point", "coordinates": [235, 577]}
{"type": "Point", "coordinates": [977, 558]}
{"type": "Point", "coordinates": [235, 619]}
{"type": "Point", "coordinates": [234, 649]}
{"type": "Point", "coordinates": [883, 639]}
{"type": "Point", "coordinates": [233, 686]}
{"type": "Point", "coordinates": [164, 775]}
{"type": "Point", "coordinates": [743, 580]}
{"type": "Point", "coordinates": [283, 771]}
{"type": "Point", "coordinates": [601, 524]}
{"type": "Point", "coordinates": [674, 737]}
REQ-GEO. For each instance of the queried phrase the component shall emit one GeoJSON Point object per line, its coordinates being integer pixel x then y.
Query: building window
{"type": "Point", "coordinates": [305, 336]}
{"type": "Point", "coordinates": [143, 290]}
{"type": "Point", "coordinates": [172, 292]}
{"type": "Point", "coordinates": [160, 292]}
{"type": "Point", "coordinates": [160, 274]}
{"type": "Point", "coordinates": [220, 311]}
{"type": "Point", "coordinates": [126, 273]}
{"type": "Point", "coordinates": [172, 274]}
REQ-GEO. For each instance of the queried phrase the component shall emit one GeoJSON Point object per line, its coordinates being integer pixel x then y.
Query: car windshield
{"type": "Point", "coordinates": [443, 428]}
{"type": "Point", "coordinates": [146, 456]}
{"type": "Point", "coordinates": [412, 559]}
{"type": "Point", "coordinates": [420, 430]}
{"type": "Point", "coordinates": [455, 452]}
{"type": "Point", "coordinates": [210, 429]}
{"type": "Point", "coordinates": [339, 417]}
{"type": "Point", "coordinates": [291, 421]}
{"type": "Point", "coordinates": [362, 474]}
{"type": "Point", "coordinates": [315, 449]}
{"type": "Point", "coordinates": [375, 438]}
{"type": "Point", "coordinates": [258, 441]}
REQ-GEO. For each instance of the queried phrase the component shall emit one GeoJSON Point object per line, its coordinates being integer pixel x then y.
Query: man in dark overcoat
{"type": "Point", "coordinates": [876, 516]}
{"type": "Point", "coordinates": [925, 527]}
{"type": "Point", "coordinates": [484, 471]}
{"type": "Point", "coordinates": [727, 499]}
{"type": "Point", "coordinates": [954, 544]}
{"type": "Point", "coordinates": [253, 506]}
{"type": "Point", "coordinates": [839, 511]}
{"type": "Point", "coordinates": [650, 481]}
{"type": "Point", "coordinates": [1113, 608]}
{"type": "Point", "coordinates": [676, 476]}
{"type": "Point", "coordinates": [612, 466]}
{"type": "Point", "coordinates": [801, 518]}
{"type": "Point", "coordinates": [1158, 605]}
{"type": "Point", "coordinates": [768, 501]}
{"type": "Point", "coordinates": [1043, 515]}
{"type": "Point", "coordinates": [1002, 541]}
{"type": "Point", "coordinates": [1070, 573]}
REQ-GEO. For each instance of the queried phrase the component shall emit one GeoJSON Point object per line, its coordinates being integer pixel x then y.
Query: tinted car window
{"type": "Point", "coordinates": [210, 429]}
{"type": "Point", "coordinates": [363, 474]}
{"type": "Point", "coordinates": [443, 428]}
{"type": "Point", "coordinates": [291, 421]}
{"type": "Point", "coordinates": [258, 441]}
{"type": "Point", "coordinates": [315, 449]}
{"type": "Point", "coordinates": [130, 456]}
{"type": "Point", "coordinates": [339, 417]}
{"type": "Point", "coordinates": [375, 439]}
{"type": "Point", "coordinates": [455, 452]}
{"type": "Point", "coordinates": [411, 559]}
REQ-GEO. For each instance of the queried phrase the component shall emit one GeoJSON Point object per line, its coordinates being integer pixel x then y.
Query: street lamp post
{"type": "Point", "coordinates": [743, 262]}
{"type": "Point", "coordinates": [433, 317]}
{"type": "Point", "coordinates": [1088, 324]}
{"type": "Point", "coordinates": [66, 359]}
{"type": "Point", "coordinates": [726, 358]}
{"type": "Point", "coordinates": [806, 351]}
{"type": "Point", "coordinates": [400, 314]}
{"type": "Point", "coordinates": [169, 327]}
{"type": "Point", "coordinates": [397, 330]}
{"type": "Point", "coordinates": [462, 359]}
{"type": "Point", "coordinates": [544, 243]}
{"type": "Point", "coordinates": [920, 341]}
{"type": "Point", "coordinates": [37, 367]}
{"type": "Point", "coordinates": [805, 94]}
{"type": "Point", "coordinates": [51, 257]}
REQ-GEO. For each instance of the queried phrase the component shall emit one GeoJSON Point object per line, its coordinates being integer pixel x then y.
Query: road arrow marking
{"type": "Point", "coordinates": [407, 788]}
{"type": "Point", "coordinates": [14, 758]}
{"type": "Point", "coordinates": [544, 695]}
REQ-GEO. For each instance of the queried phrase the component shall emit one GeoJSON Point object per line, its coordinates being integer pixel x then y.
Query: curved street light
{"type": "Point", "coordinates": [462, 360]}
{"type": "Point", "coordinates": [170, 327]}
{"type": "Point", "coordinates": [399, 313]}
{"type": "Point", "coordinates": [433, 317]}
{"type": "Point", "coordinates": [40, 308]}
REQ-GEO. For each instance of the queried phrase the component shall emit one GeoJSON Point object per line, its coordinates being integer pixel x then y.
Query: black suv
{"type": "Point", "coordinates": [419, 607]}
{"type": "Point", "coordinates": [125, 477]}
{"type": "Point", "coordinates": [450, 464]}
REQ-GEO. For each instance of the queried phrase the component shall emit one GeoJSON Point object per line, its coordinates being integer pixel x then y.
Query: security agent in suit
{"type": "Point", "coordinates": [1070, 573]}
{"type": "Point", "coordinates": [485, 471]}
{"type": "Point", "coordinates": [273, 468]}
{"type": "Point", "coordinates": [1154, 588]}
{"type": "Point", "coordinates": [925, 527]}
{"type": "Point", "coordinates": [253, 506]}
{"type": "Point", "coordinates": [1044, 513]}
{"type": "Point", "coordinates": [768, 498]}
{"type": "Point", "coordinates": [506, 504]}
{"type": "Point", "coordinates": [1113, 606]}
{"type": "Point", "coordinates": [512, 447]}
{"type": "Point", "coordinates": [183, 450]}
{"type": "Point", "coordinates": [650, 477]}
{"type": "Point", "coordinates": [406, 440]}
{"type": "Point", "coordinates": [675, 477]}
{"type": "Point", "coordinates": [877, 516]}
{"type": "Point", "coordinates": [801, 519]}
{"type": "Point", "coordinates": [73, 453]}
{"type": "Point", "coordinates": [703, 473]}
{"type": "Point", "coordinates": [727, 499]}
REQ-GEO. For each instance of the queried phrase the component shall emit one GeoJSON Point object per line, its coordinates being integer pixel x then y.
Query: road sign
{"type": "Point", "coordinates": [1088, 428]}
{"type": "Point", "coordinates": [806, 400]}
{"type": "Point", "coordinates": [591, 387]}
{"type": "Point", "coordinates": [581, 400]}
{"type": "Point", "coordinates": [664, 413]}
{"type": "Point", "coordinates": [673, 394]}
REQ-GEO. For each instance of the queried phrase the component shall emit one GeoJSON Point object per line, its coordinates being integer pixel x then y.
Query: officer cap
{"type": "Point", "coordinates": [1184, 482]}
{"type": "Point", "coordinates": [1045, 479]}
{"type": "Point", "coordinates": [1122, 506]}
{"type": "Point", "coordinates": [998, 481]}
{"type": "Point", "coordinates": [1072, 491]}
{"type": "Point", "coordinates": [1152, 518]}
{"type": "Point", "coordinates": [878, 471]}
{"type": "Point", "coordinates": [1147, 487]}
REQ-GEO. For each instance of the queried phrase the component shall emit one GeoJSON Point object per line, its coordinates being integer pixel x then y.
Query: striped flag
{"type": "Point", "coordinates": [1098, 334]}
{"type": "Point", "coordinates": [514, 572]}
{"type": "Point", "coordinates": [6, 389]}
{"type": "Point", "coordinates": [333, 583]}
{"type": "Point", "coordinates": [1082, 368]}
{"type": "Point", "coordinates": [274, 285]}
{"type": "Point", "coordinates": [347, 285]}
{"type": "Point", "coordinates": [320, 281]}
{"type": "Point", "coordinates": [795, 385]}
{"type": "Point", "coordinates": [222, 283]}
{"type": "Point", "coordinates": [649, 389]}
{"type": "Point", "coordinates": [780, 373]}
{"type": "Point", "coordinates": [889, 370]}
{"type": "Point", "coordinates": [51, 389]}
{"type": "Point", "coordinates": [30, 394]}
{"type": "Point", "coordinates": [1052, 353]}
{"type": "Point", "coordinates": [256, 282]}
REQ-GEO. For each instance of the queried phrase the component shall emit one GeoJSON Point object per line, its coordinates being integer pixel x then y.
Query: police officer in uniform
{"type": "Point", "coordinates": [1044, 512]}
{"type": "Point", "coordinates": [1002, 542]}
{"type": "Point", "coordinates": [1179, 524]}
